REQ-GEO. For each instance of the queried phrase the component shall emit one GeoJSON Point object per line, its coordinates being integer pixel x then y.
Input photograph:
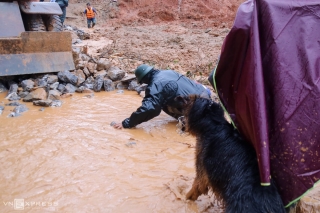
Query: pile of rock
{"type": "Point", "coordinates": [78, 35]}
{"type": "Point", "coordinates": [48, 89]}
{"type": "Point", "coordinates": [52, 86]}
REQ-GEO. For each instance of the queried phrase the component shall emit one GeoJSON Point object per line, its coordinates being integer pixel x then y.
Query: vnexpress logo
{"type": "Point", "coordinates": [18, 204]}
{"type": "Point", "coordinates": [21, 204]}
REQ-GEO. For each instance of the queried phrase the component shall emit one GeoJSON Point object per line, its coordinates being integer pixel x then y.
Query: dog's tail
{"type": "Point", "coordinates": [263, 199]}
{"type": "Point", "coordinates": [269, 198]}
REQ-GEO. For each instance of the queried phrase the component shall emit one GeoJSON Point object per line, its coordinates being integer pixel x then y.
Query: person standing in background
{"type": "Point", "coordinates": [90, 13]}
{"type": "Point", "coordinates": [63, 5]}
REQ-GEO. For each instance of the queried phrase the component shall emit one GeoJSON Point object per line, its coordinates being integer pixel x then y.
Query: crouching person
{"type": "Point", "coordinates": [163, 87]}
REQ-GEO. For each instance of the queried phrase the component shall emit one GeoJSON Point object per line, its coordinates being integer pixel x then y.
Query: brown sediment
{"type": "Point", "coordinates": [70, 159]}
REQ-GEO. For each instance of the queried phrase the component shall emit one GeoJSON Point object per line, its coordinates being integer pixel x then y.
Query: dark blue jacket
{"type": "Point", "coordinates": [163, 87]}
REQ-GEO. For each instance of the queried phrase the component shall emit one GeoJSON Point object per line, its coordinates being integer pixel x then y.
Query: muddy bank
{"type": "Point", "coordinates": [190, 51]}
{"type": "Point", "coordinates": [190, 47]}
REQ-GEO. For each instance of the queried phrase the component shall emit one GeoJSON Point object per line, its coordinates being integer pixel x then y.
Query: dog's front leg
{"type": "Point", "coordinates": [199, 187]}
{"type": "Point", "coordinates": [194, 192]}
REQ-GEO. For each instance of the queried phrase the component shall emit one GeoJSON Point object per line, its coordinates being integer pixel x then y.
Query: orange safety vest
{"type": "Point", "coordinates": [90, 13]}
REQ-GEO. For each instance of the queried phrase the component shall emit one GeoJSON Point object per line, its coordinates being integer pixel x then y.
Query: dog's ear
{"type": "Point", "coordinates": [182, 101]}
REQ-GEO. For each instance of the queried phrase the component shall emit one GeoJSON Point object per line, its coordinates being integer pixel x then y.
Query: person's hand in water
{"type": "Point", "coordinates": [116, 125]}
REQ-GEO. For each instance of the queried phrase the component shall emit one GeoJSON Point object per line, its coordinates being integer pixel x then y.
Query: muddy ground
{"type": "Point", "coordinates": [69, 158]}
{"type": "Point", "coordinates": [190, 47]}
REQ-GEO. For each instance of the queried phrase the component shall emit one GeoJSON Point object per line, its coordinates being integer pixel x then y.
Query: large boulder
{"type": "Point", "coordinates": [20, 109]}
{"type": "Point", "coordinates": [133, 85]}
{"type": "Point", "coordinates": [37, 94]}
{"type": "Point", "coordinates": [103, 64]}
{"type": "Point", "coordinates": [27, 85]}
{"type": "Point", "coordinates": [83, 35]}
{"type": "Point", "coordinates": [89, 86]}
{"type": "Point", "coordinates": [41, 82]}
{"type": "Point", "coordinates": [102, 73]}
{"type": "Point", "coordinates": [76, 51]}
{"type": "Point", "coordinates": [122, 85]}
{"type": "Point", "coordinates": [69, 88]}
{"type": "Point", "coordinates": [86, 71]}
{"type": "Point", "coordinates": [81, 65]}
{"type": "Point", "coordinates": [52, 79]}
{"type": "Point", "coordinates": [84, 89]}
{"type": "Point", "coordinates": [68, 77]}
{"type": "Point", "coordinates": [89, 80]}
{"type": "Point", "coordinates": [23, 94]}
{"type": "Point", "coordinates": [80, 89]}
{"type": "Point", "coordinates": [98, 83]}
{"type": "Point", "coordinates": [141, 88]}
{"type": "Point", "coordinates": [56, 103]}
{"type": "Point", "coordinates": [54, 95]}
{"type": "Point", "coordinates": [28, 98]}
{"type": "Point", "coordinates": [91, 67]}
{"type": "Point", "coordinates": [61, 87]}
{"type": "Point", "coordinates": [13, 87]}
{"type": "Point", "coordinates": [81, 76]}
{"type": "Point", "coordinates": [54, 86]}
{"type": "Point", "coordinates": [13, 96]}
{"type": "Point", "coordinates": [108, 85]}
{"type": "Point", "coordinates": [116, 74]}
{"type": "Point", "coordinates": [44, 103]}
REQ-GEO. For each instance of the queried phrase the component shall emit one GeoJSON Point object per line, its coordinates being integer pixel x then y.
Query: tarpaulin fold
{"type": "Point", "coordinates": [268, 79]}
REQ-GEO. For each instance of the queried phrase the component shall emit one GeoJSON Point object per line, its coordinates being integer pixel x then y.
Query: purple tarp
{"type": "Point", "coordinates": [268, 79]}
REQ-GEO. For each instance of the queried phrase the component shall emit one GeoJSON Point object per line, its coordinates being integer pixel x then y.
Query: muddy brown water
{"type": "Point", "coordinates": [69, 159]}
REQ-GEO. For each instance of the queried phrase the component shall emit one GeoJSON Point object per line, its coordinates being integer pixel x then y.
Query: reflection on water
{"type": "Point", "coordinates": [69, 159]}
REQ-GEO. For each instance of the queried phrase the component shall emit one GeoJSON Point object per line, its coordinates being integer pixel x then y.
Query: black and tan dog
{"type": "Point", "coordinates": [225, 162]}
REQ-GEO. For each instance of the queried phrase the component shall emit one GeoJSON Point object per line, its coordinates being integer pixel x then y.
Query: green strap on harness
{"type": "Point", "coordinates": [215, 88]}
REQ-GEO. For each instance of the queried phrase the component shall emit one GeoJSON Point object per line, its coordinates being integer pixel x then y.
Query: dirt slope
{"type": "Point", "coordinates": [183, 35]}
{"type": "Point", "coordinates": [211, 13]}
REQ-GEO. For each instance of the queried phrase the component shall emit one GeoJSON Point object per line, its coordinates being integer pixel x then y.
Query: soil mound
{"type": "Point", "coordinates": [212, 13]}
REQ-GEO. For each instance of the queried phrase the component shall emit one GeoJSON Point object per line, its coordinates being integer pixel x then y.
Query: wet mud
{"type": "Point", "coordinates": [69, 159]}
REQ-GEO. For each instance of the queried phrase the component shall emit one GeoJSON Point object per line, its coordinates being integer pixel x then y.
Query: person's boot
{"type": "Point", "coordinates": [93, 25]}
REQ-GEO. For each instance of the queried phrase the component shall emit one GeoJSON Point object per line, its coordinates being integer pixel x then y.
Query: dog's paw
{"type": "Point", "coordinates": [192, 195]}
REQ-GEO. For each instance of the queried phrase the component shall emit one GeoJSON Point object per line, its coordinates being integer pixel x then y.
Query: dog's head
{"type": "Point", "coordinates": [198, 112]}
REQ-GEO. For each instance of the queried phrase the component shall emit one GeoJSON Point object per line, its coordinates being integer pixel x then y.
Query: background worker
{"type": "Point", "coordinates": [90, 14]}
{"type": "Point", "coordinates": [63, 5]}
{"type": "Point", "coordinates": [163, 87]}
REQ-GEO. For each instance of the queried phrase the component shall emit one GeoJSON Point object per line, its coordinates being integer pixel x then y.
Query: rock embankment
{"type": "Point", "coordinates": [47, 90]}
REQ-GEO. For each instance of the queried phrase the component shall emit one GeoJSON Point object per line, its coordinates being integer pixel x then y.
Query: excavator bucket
{"type": "Point", "coordinates": [30, 52]}
{"type": "Point", "coordinates": [36, 52]}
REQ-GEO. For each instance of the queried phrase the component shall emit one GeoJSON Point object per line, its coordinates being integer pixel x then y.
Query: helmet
{"type": "Point", "coordinates": [141, 71]}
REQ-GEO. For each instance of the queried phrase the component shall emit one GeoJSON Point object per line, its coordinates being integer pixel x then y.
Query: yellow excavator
{"type": "Point", "coordinates": [32, 40]}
